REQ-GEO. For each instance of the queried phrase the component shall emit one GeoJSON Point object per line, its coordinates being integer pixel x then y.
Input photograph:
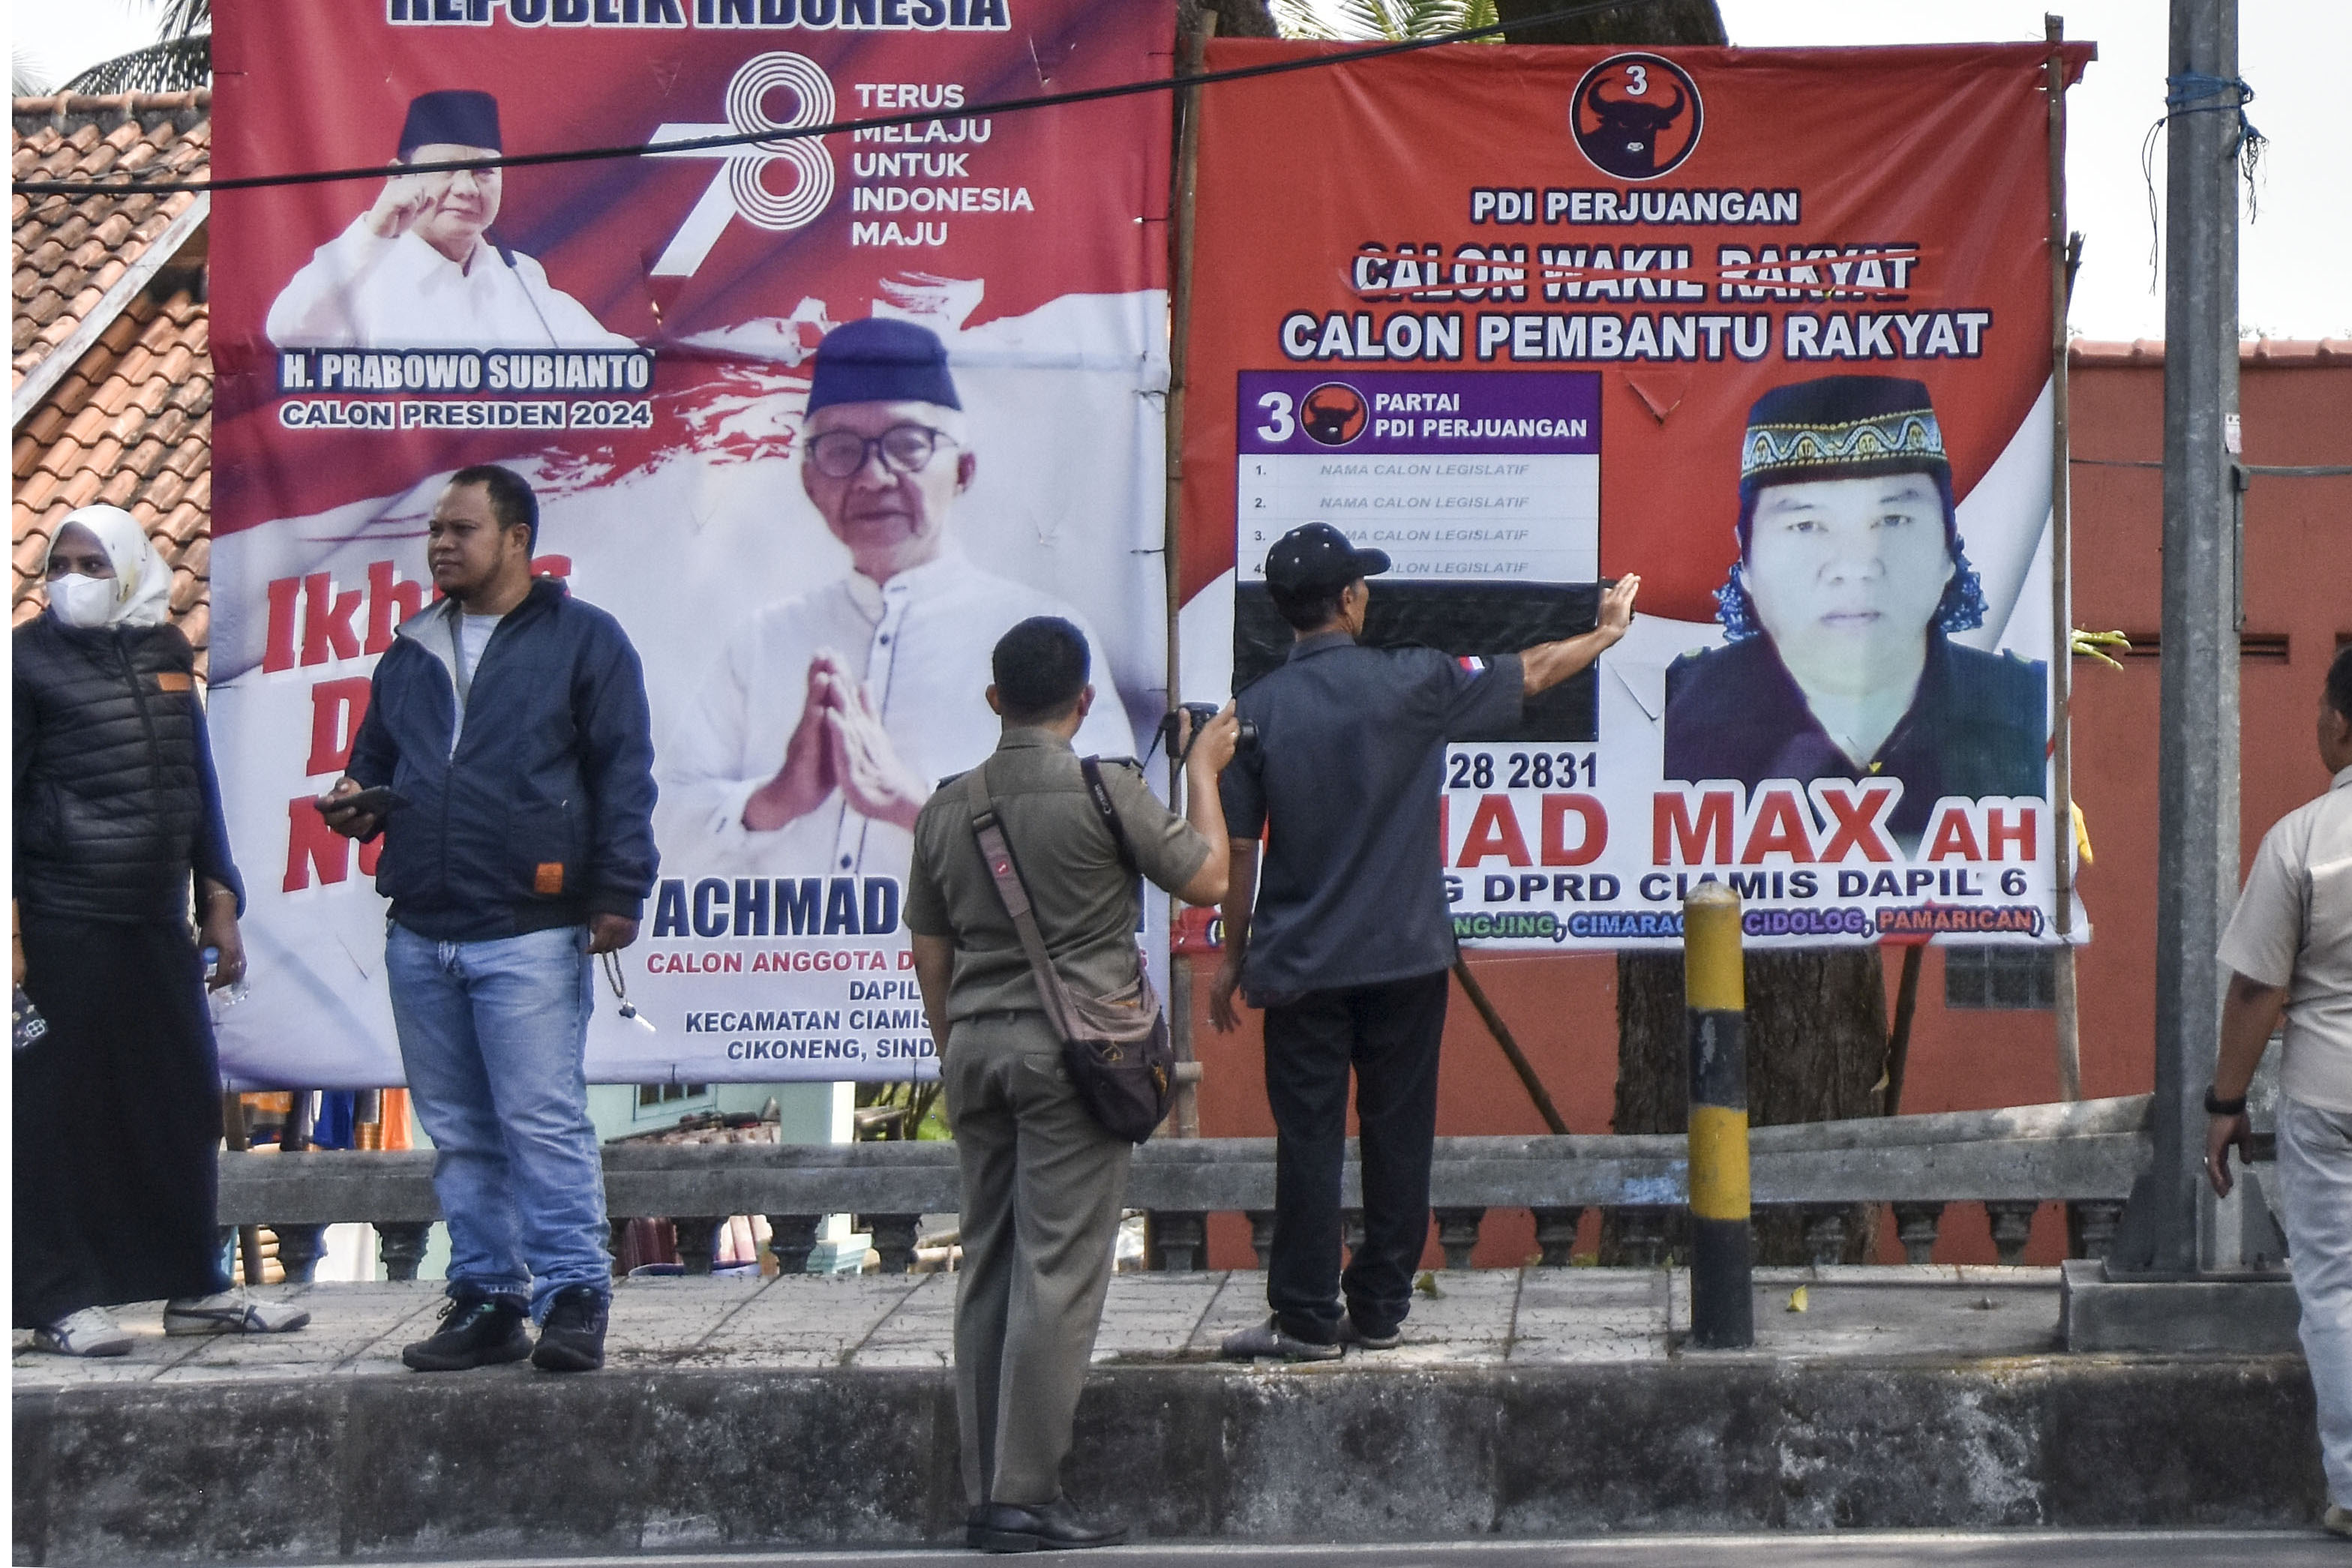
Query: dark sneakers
{"type": "Point", "coordinates": [573, 1338]}
{"type": "Point", "coordinates": [1268, 1341]}
{"type": "Point", "coordinates": [1055, 1526]}
{"type": "Point", "coordinates": [476, 1330]}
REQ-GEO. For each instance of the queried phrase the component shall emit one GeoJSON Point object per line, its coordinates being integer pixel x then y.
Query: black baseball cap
{"type": "Point", "coordinates": [1316, 555]}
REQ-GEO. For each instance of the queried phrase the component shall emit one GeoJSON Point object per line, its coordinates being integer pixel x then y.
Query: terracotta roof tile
{"type": "Point", "coordinates": [63, 246]}
{"type": "Point", "coordinates": [184, 523]}
{"type": "Point", "coordinates": [131, 421]}
{"type": "Point", "coordinates": [32, 555]}
{"type": "Point", "coordinates": [33, 489]}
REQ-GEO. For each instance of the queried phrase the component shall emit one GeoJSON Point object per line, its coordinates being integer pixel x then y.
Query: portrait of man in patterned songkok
{"type": "Point", "coordinates": [1838, 661]}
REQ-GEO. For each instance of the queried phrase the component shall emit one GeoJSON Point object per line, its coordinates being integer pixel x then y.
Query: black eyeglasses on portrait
{"type": "Point", "coordinates": [905, 448]}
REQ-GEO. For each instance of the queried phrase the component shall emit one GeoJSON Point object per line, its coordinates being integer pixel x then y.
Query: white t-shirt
{"type": "Point", "coordinates": [2293, 928]}
{"type": "Point", "coordinates": [473, 637]}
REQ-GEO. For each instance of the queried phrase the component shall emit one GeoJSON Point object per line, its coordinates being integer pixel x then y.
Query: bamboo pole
{"type": "Point", "coordinates": [1184, 1112]}
{"type": "Point", "coordinates": [2061, 639]}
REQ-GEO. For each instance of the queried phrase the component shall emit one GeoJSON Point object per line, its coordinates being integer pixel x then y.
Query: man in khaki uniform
{"type": "Point", "coordinates": [1043, 1181]}
{"type": "Point", "coordinates": [2289, 948]}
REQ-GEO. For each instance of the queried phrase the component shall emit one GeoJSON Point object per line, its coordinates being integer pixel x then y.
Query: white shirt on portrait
{"type": "Point", "coordinates": [921, 642]}
{"type": "Point", "coordinates": [360, 290]}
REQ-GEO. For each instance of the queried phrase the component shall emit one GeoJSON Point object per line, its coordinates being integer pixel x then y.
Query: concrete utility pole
{"type": "Point", "coordinates": [2197, 858]}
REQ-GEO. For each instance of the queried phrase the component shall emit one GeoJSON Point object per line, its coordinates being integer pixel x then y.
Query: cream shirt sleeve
{"type": "Point", "coordinates": [2267, 933]}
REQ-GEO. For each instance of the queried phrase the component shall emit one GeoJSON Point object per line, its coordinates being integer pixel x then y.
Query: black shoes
{"type": "Point", "coordinates": [1055, 1526]}
{"type": "Point", "coordinates": [573, 1338]}
{"type": "Point", "coordinates": [1269, 1340]}
{"type": "Point", "coordinates": [476, 1330]}
{"type": "Point", "coordinates": [489, 1330]}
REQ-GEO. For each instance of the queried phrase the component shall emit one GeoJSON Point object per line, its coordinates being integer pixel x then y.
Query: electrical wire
{"type": "Point", "coordinates": [767, 137]}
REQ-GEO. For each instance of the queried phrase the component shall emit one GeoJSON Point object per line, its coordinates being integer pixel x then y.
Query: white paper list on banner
{"type": "Point", "coordinates": [1462, 477]}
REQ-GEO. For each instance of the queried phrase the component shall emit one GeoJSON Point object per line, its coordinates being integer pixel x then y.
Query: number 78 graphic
{"type": "Point", "coordinates": [737, 188]}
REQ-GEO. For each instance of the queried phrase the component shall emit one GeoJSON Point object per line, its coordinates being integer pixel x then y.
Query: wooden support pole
{"type": "Point", "coordinates": [1184, 1107]}
{"type": "Point", "coordinates": [1501, 1033]}
{"type": "Point", "coordinates": [2062, 615]}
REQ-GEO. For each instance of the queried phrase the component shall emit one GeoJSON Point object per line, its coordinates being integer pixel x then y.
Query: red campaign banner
{"type": "Point", "coordinates": [1533, 319]}
{"type": "Point", "coordinates": [634, 335]}
{"type": "Point", "coordinates": [1044, 206]}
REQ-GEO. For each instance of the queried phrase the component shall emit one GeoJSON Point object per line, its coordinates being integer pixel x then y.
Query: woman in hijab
{"type": "Point", "coordinates": [118, 1110]}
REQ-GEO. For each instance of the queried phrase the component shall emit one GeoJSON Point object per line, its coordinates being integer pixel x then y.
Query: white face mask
{"type": "Point", "coordinates": [82, 601]}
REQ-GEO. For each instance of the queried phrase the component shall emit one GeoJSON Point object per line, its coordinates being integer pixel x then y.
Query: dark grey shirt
{"type": "Point", "coordinates": [1344, 783]}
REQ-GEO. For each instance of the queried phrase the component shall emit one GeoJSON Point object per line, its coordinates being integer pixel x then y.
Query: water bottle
{"type": "Point", "coordinates": [227, 997]}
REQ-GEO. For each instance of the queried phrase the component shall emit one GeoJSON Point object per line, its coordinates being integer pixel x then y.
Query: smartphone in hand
{"type": "Point", "coordinates": [379, 802]}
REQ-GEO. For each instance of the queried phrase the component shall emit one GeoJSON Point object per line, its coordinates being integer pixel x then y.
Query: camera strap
{"type": "Point", "coordinates": [1092, 767]}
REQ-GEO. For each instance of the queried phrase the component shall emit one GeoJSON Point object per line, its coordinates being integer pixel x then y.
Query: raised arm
{"type": "Point", "coordinates": [1549, 663]}
{"type": "Point", "coordinates": [1204, 807]}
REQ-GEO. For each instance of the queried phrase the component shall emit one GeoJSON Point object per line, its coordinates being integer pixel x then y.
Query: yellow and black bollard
{"type": "Point", "coordinates": [1715, 993]}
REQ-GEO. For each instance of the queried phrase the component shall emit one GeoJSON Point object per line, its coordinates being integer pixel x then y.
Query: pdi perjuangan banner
{"type": "Point", "coordinates": [635, 336]}
{"type": "Point", "coordinates": [1770, 330]}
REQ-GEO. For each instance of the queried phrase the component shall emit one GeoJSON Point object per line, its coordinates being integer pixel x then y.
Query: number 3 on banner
{"type": "Point", "coordinates": [1637, 80]}
{"type": "Point", "coordinates": [1278, 423]}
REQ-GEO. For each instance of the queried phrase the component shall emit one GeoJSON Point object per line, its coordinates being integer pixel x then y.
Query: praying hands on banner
{"type": "Point", "coordinates": [838, 744]}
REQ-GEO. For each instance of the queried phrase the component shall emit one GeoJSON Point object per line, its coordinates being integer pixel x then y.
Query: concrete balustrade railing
{"type": "Point", "coordinates": [2086, 1155]}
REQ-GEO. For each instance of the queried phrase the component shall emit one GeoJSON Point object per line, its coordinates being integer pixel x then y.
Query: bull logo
{"type": "Point", "coordinates": [1333, 413]}
{"type": "Point", "coordinates": [1636, 116]}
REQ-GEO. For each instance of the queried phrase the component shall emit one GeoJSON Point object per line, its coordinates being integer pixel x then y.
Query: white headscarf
{"type": "Point", "coordinates": [143, 581]}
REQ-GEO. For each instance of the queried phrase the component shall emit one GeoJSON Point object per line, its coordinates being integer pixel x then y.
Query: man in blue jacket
{"type": "Point", "coordinates": [509, 722]}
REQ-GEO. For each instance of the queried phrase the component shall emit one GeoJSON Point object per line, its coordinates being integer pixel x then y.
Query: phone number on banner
{"type": "Point", "coordinates": [466, 413]}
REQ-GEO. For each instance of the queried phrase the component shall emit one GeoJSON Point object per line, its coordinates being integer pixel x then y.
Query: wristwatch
{"type": "Point", "coordinates": [2217, 1107]}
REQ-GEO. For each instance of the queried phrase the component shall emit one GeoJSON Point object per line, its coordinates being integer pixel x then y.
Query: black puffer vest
{"type": "Point", "coordinates": [109, 797]}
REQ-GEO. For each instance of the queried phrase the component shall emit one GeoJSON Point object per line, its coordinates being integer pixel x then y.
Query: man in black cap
{"type": "Point", "coordinates": [1350, 941]}
{"type": "Point", "coordinates": [1838, 661]}
{"type": "Point", "coordinates": [814, 742]}
{"type": "Point", "coordinates": [418, 270]}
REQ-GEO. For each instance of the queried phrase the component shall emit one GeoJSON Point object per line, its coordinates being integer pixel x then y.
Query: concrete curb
{"type": "Point", "coordinates": [508, 1459]}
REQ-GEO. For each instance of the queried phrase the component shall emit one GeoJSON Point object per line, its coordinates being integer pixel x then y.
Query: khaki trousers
{"type": "Point", "coordinates": [1042, 1185]}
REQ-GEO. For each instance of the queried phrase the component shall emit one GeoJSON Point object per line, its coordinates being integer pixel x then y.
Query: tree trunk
{"type": "Point", "coordinates": [1658, 22]}
{"type": "Point", "coordinates": [1816, 1049]}
{"type": "Point", "coordinates": [1235, 19]}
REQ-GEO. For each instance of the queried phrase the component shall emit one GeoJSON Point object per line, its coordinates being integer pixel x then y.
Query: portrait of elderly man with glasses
{"type": "Point", "coordinates": [813, 743]}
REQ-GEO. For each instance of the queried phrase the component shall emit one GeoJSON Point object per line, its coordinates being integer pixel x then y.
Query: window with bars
{"type": "Point", "coordinates": [2013, 978]}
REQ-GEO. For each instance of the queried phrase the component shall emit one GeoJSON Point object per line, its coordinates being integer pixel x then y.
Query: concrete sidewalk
{"type": "Point", "coordinates": [1486, 1318]}
{"type": "Point", "coordinates": [1538, 1404]}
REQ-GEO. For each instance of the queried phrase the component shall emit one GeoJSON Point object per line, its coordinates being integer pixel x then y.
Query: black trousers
{"type": "Point", "coordinates": [1389, 1035]}
{"type": "Point", "coordinates": [117, 1120]}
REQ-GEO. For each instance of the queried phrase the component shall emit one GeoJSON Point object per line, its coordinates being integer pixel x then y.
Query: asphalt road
{"type": "Point", "coordinates": [2002, 1549]}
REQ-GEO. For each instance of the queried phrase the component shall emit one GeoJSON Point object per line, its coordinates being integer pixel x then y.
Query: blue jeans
{"type": "Point", "coordinates": [493, 1037]}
